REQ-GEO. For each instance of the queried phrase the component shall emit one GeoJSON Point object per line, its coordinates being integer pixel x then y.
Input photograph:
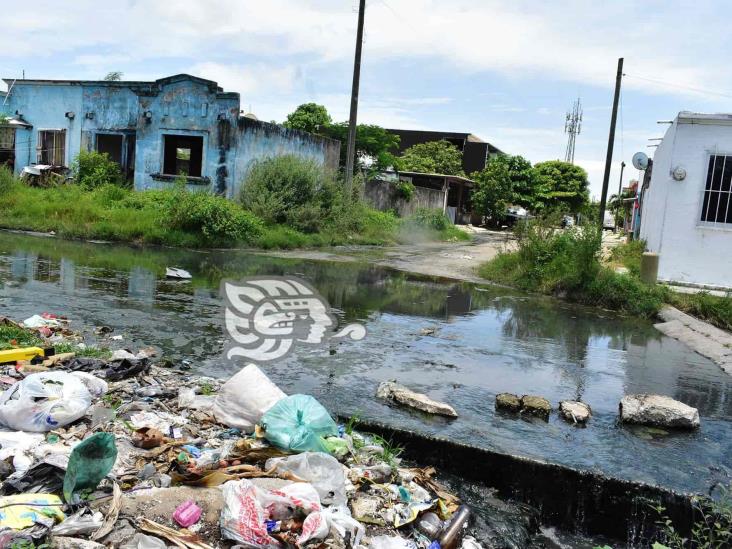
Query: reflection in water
{"type": "Point", "coordinates": [486, 341]}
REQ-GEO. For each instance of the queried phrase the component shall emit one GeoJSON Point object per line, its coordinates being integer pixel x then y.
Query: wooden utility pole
{"type": "Point", "coordinates": [351, 147]}
{"type": "Point", "coordinates": [610, 142]}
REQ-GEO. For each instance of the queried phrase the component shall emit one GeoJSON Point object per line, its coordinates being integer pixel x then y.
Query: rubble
{"type": "Point", "coordinates": [146, 460]}
{"type": "Point", "coordinates": [390, 390]}
{"type": "Point", "coordinates": [658, 411]}
{"type": "Point", "coordinates": [575, 411]}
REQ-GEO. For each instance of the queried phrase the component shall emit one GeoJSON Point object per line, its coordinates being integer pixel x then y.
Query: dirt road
{"type": "Point", "coordinates": [457, 260]}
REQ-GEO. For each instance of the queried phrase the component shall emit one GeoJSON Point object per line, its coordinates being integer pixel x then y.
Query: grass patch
{"type": "Point", "coordinates": [567, 264]}
{"type": "Point", "coordinates": [12, 337]}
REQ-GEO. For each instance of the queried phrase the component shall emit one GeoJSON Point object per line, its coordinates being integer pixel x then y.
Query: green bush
{"type": "Point", "coordinates": [629, 255]}
{"type": "Point", "coordinates": [405, 190]}
{"type": "Point", "coordinates": [428, 218]}
{"type": "Point", "coordinates": [92, 169]}
{"type": "Point", "coordinates": [287, 189]}
{"type": "Point", "coordinates": [218, 219]}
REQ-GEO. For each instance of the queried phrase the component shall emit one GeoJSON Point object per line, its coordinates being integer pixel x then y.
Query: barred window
{"type": "Point", "coordinates": [717, 204]}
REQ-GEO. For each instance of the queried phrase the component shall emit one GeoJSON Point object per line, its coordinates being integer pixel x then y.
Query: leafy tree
{"type": "Point", "coordinates": [114, 76]}
{"type": "Point", "coordinates": [523, 178]}
{"type": "Point", "coordinates": [433, 157]}
{"type": "Point", "coordinates": [493, 191]}
{"type": "Point", "coordinates": [373, 143]}
{"type": "Point", "coordinates": [309, 117]}
{"type": "Point", "coordinates": [563, 186]}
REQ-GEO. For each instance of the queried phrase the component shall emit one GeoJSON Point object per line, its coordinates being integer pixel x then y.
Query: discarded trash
{"type": "Point", "coordinates": [389, 390]}
{"type": "Point", "coordinates": [38, 321]}
{"type": "Point", "coordinates": [174, 272]}
{"type": "Point", "coordinates": [187, 513]}
{"type": "Point", "coordinates": [452, 532]}
{"type": "Point", "coordinates": [147, 437]}
{"type": "Point", "coordinates": [126, 367]}
{"type": "Point", "coordinates": [25, 510]}
{"type": "Point", "coordinates": [391, 542]}
{"type": "Point", "coordinates": [142, 541]}
{"type": "Point", "coordinates": [245, 397]}
{"type": "Point", "coordinates": [321, 470]}
{"type": "Point", "coordinates": [298, 423]}
{"type": "Point", "coordinates": [81, 523]}
{"type": "Point", "coordinates": [90, 461]}
{"type": "Point", "coordinates": [44, 401]}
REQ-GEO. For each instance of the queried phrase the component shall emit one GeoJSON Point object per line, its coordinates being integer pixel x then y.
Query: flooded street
{"type": "Point", "coordinates": [482, 341]}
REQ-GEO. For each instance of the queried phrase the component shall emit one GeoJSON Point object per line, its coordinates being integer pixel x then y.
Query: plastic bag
{"type": "Point", "coordinates": [44, 401]}
{"type": "Point", "coordinates": [17, 444]}
{"type": "Point", "coordinates": [80, 523]}
{"type": "Point", "coordinates": [247, 508]}
{"type": "Point", "coordinates": [96, 387]}
{"type": "Point", "coordinates": [245, 397]}
{"type": "Point", "coordinates": [321, 470]}
{"type": "Point", "coordinates": [24, 510]}
{"type": "Point", "coordinates": [187, 398]}
{"type": "Point", "coordinates": [91, 460]}
{"type": "Point", "coordinates": [298, 423]}
{"type": "Point", "coordinates": [318, 525]}
{"type": "Point", "coordinates": [391, 542]}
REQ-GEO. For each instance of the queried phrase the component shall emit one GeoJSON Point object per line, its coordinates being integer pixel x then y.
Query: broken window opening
{"type": "Point", "coordinates": [51, 147]}
{"type": "Point", "coordinates": [7, 147]}
{"type": "Point", "coordinates": [182, 155]}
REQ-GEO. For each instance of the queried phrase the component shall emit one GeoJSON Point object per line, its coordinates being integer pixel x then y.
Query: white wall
{"type": "Point", "coordinates": [671, 224]}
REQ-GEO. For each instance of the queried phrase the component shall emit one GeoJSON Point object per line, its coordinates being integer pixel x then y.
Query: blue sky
{"type": "Point", "coordinates": [506, 72]}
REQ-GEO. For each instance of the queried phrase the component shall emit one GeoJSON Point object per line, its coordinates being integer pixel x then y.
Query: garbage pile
{"type": "Point", "coordinates": [123, 452]}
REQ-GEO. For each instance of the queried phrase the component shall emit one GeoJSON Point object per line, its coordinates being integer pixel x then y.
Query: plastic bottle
{"type": "Point", "coordinates": [430, 525]}
{"type": "Point", "coordinates": [451, 533]}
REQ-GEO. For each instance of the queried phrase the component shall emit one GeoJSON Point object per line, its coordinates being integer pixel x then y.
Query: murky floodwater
{"type": "Point", "coordinates": [486, 341]}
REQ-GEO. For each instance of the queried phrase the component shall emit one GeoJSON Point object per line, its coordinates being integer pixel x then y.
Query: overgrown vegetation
{"type": "Point", "coordinates": [712, 528]}
{"type": "Point", "coordinates": [567, 263]}
{"type": "Point", "coordinates": [432, 157]}
{"type": "Point", "coordinates": [427, 223]}
{"type": "Point", "coordinates": [404, 190]}
{"type": "Point", "coordinates": [92, 169]}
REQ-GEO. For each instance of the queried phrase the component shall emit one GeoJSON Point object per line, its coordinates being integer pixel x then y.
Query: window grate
{"type": "Point", "coordinates": [718, 191]}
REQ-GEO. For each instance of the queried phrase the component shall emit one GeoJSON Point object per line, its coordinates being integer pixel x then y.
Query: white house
{"type": "Point", "coordinates": [687, 208]}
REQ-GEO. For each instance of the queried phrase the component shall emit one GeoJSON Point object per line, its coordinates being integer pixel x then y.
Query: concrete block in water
{"type": "Point", "coordinates": [575, 411]}
{"type": "Point", "coordinates": [658, 411]}
{"type": "Point", "coordinates": [390, 390]}
{"type": "Point", "coordinates": [536, 406]}
{"type": "Point", "coordinates": [508, 402]}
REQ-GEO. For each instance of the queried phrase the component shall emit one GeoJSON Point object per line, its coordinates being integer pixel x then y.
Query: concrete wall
{"type": "Point", "coordinates": [177, 105]}
{"type": "Point", "coordinates": [382, 196]}
{"type": "Point", "coordinates": [690, 250]}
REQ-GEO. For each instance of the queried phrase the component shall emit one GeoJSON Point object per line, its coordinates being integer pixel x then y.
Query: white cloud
{"type": "Point", "coordinates": [248, 79]}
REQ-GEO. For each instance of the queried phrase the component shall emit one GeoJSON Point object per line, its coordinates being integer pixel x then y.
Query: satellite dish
{"type": "Point", "coordinates": [640, 161]}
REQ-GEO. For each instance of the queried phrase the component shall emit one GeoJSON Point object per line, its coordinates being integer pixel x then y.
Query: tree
{"type": "Point", "coordinates": [433, 157]}
{"type": "Point", "coordinates": [523, 178]}
{"type": "Point", "coordinates": [493, 191]}
{"type": "Point", "coordinates": [309, 117]}
{"type": "Point", "coordinates": [114, 76]}
{"type": "Point", "coordinates": [562, 186]}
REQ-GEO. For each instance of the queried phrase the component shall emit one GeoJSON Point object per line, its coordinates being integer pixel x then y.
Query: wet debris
{"type": "Point", "coordinates": [658, 411]}
{"type": "Point", "coordinates": [575, 411]}
{"type": "Point", "coordinates": [392, 391]}
{"type": "Point", "coordinates": [127, 453]}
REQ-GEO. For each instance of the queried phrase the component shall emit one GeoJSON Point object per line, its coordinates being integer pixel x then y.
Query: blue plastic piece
{"type": "Point", "coordinates": [298, 423]}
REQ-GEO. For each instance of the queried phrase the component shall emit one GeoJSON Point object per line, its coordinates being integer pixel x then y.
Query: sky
{"type": "Point", "coordinates": [504, 71]}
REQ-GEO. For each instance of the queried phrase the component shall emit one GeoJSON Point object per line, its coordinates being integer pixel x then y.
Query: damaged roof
{"type": "Point", "coordinates": [117, 83]}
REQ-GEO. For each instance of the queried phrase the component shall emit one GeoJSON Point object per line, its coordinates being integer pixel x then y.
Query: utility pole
{"type": "Point", "coordinates": [620, 188]}
{"type": "Point", "coordinates": [351, 147]}
{"type": "Point", "coordinates": [611, 141]}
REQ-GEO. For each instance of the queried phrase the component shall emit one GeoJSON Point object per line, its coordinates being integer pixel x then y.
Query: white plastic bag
{"type": "Point", "coordinates": [187, 398]}
{"type": "Point", "coordinates": [44, 401]}
{"type": "Point", "coordinates": [321, 470]}
{"type": "Point", "coordinates": [318, 525]}
{"type": "Point", "coordinates": [246, 508]}
{"type": "Point", "coordinates": [391, 542]}
{"type": "Point", "coordinates": [244, 398]}
{"type": "Point", "coordinates": [97, 387]}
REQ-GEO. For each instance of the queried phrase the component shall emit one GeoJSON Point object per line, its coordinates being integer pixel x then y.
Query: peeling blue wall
{"type": "Point", "coordinates": [177, 105]}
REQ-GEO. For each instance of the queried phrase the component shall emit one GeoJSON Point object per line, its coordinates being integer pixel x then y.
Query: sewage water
{"type": "Point", "coordinates": [486, 340]}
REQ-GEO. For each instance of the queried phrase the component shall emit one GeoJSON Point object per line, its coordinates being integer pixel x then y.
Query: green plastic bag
{"type": "Point", "coordinates": [298, 423]}
{"type": "Point", "coordinates": [91, 460]}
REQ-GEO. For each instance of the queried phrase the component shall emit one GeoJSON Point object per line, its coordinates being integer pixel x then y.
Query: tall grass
{"type": "Point", "coordinates": [567, 264]}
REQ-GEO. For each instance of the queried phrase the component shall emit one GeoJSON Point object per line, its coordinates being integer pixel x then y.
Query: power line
{"type": "Point", "coordinates": [680, 86]}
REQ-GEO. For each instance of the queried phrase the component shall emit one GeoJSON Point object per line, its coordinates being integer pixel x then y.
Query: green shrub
{"type": "Point", "coordinates": [218, 219]}
{"type": "Point", "coordinates": [428, 218]}
{"type": "Point", "coordinates": [714, 309]}
{"type": "Point", "coordinates": [287, 189]}
{"type": "Point", "coordinates": [92, 169]}
{"type": "Point", "coordinates": [629, 255]}
{"type": "Point", "coordinates": [405, 190]}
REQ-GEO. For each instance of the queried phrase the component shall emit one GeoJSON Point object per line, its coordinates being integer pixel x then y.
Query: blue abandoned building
{"type": "Point", "coordinates": [156, 131]}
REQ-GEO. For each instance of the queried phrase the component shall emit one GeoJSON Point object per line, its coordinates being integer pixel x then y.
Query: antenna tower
{"type": "Point", "coordinates": [572, 127]}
